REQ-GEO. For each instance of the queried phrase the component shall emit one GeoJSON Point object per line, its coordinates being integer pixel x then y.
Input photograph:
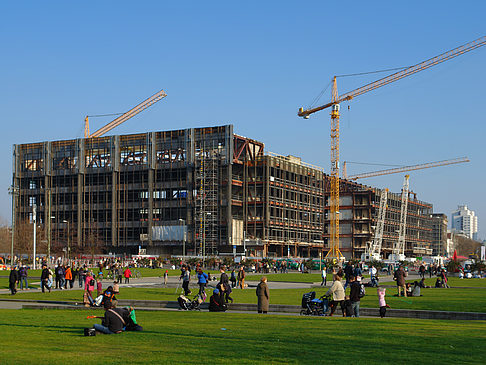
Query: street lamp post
{"type": "Point", "coordinates": [34, 219]}
{"type": "Point", "coordinates": [68, 247]}
{"type": "Point", "coordinates": [182, 222]}
{"type": "Point", "coordinates": [12, 190]}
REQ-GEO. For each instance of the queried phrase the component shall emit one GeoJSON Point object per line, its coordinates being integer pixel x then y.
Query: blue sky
{"type": "Point", "coordinates": [253, 64]}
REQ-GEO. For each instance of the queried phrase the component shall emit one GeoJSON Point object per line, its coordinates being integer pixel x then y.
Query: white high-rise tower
{"type": "Point", "coordinates": [465, 221]}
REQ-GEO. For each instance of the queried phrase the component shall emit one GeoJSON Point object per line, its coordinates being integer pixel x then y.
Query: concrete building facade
{"type": "Point", "coordinates": [205, 190]}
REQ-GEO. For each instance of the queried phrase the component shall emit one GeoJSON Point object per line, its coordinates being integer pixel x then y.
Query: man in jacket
{"type": "Point", "coordinates": [113, 321]}
{"type": "Point", "coordinates": [400, 276]}
{"type": "Point", "coordinates": [354, 296]}
{"type": "Point", "coordinates": [186, 278]}
{"type": "Point", "coordinates": [13, 279]}
{"type": "Point", "coordinates": [348, 272]}
{"type": "Point", "coordinates": [241, 277]}
{"type": "Point", "coordinates": [23, 277]}
{"type": "Point", "coordinates": [44, 278]}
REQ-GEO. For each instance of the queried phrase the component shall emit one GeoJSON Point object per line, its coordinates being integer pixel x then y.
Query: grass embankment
{"type": "Point", "coordinates": [469, 300]}
{"type": "Point", "coordinates": [56, 337]}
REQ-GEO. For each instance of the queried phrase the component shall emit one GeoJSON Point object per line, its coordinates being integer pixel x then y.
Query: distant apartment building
{"type": "Point", "coordinates": [439, 234]}
{"type": "Point", "coordinates": [464, 220]}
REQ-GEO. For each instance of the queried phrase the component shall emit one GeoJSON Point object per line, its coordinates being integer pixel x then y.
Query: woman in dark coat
{"type": "Point", "coordinates": [263, 295]}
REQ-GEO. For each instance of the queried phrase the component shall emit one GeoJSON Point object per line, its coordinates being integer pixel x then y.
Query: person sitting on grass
{"type": "Point", "coordinates": [216, 302]}
{"type": "Point", "coordinates": [416, 290]}
{"type": "Point", "coordinates": [113, 321]}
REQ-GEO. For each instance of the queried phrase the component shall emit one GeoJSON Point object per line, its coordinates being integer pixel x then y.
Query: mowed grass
{"type": "Point", "coordinates": [56, 337]}
{"type": "Point", "coordinates": [468, 300]}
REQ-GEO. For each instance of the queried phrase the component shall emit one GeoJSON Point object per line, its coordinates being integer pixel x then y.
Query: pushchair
{"type": "Point", "coordinates": [190, 305]}
{"type": "Point", "coordinates": [373, 283]}
{"type": "Point", "coordinates": [312, 306]}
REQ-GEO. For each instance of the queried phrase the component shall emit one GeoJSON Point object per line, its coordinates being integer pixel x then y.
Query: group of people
{"type": "Point", "coordinates": [349, 304]}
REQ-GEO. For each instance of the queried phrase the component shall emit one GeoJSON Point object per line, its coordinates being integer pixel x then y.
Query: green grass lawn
{"type": "Point", "coordinates": [56, 337]}
{"type": "Point", "coordinates": [452, 281]}
{"type": "Point", "coordinates": [469, 300]}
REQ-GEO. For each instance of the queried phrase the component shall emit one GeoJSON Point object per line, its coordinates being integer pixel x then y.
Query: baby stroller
{"type": "Point", "coordinates": [190, 305]}
{"type": "Point", "coordinates": [373, 282]}
{"type": "Point", "coordinates": [312, 306]}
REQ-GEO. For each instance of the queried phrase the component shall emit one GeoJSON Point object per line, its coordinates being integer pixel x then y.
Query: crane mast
{"type": "Point", "coordinates": [334, 252]}
{"type": "Point", "coordinates": [399, 247]}
{"type": "Point", "coordinates": [375, 246]}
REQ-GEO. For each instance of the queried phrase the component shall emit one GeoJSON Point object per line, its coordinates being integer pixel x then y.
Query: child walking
{"type": "Point", "coordinates": [381, 301]}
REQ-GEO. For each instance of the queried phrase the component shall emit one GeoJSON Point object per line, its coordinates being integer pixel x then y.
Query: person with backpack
{"type": "Point", "coordinates": [23, 277]}
{"type": "Point", "coordinates": [113, 321]}
{"type": "Point", "coordinates": [355, 295]}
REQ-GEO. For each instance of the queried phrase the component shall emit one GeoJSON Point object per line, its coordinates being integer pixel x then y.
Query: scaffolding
{"type": "Point", "coordinates": [206, 215]}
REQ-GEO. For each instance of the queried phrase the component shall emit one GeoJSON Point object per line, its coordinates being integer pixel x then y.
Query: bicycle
{"type": "Point", "coordinates": [136, 274]}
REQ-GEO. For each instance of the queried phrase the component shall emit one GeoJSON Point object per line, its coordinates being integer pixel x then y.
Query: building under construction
{"type": "Point", "coordinates": [202, 190]}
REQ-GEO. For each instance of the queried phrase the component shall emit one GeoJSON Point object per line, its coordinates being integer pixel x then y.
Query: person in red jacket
{"type": "Point", "coordinates": [127, 273]}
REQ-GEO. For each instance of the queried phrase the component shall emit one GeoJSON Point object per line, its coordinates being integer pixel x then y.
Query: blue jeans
{"type": "Point", "coordinates": [103, 329]}
{"type": "Point", "coordinates": [23, 280]}
{"type": "Point", "coordinates": [62, 281]}
{"type": "Point", "coordinates": [355, 309]}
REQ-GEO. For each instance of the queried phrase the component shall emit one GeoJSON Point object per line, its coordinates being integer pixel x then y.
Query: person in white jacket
{"type": "Point", "coordinates": [337, 291]}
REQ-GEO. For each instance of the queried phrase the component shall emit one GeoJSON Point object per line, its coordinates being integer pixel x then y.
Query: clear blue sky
{"type": "Point", "coordinates": [253, 64]}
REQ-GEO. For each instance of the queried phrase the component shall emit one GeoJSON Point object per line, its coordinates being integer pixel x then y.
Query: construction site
{"type": "Point", "coordinates": [209, 191]}
{"type": "Point", "coordinates": [205, 191]}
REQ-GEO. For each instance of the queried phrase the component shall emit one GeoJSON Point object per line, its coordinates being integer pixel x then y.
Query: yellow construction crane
{"type": "Point", "coordinates": [397, 170]}
{"type": "Point", "coordinates": [334, 251]}
{"type": "Point", "coordinates": [124, 117]}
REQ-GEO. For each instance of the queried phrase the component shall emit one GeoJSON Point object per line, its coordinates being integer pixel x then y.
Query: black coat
{"type": "Point", "coordinates": [14, 276]}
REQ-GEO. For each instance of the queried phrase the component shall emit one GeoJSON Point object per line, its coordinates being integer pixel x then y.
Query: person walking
{"type": "Point", "coordinates": [233, 278]}
{"type": "Point", "coordinates": [443, 276]}
{"type": "Point", "coordinates": [400, 276]}
{"type": "Point", "coordinates": [348, 272]}
{"type": "Point", "coordinates": [354, 296]}
{"type": "Point", "coordinates": [202, 280]}
{"type": "Point", "coordinates": [241, 277]}
{"type": "Point", "coordinates": [186, 279]}
{"type": "Point", "coordinates": [68, 278]}
{"type": "Point", "coordinates": [81, 276]}
{"type": "Point", "coordinates": [13, 279]}
{"type": "Point", "coordinates": [166, 278]}
{"type": "Point", "coordinates": [127, 273]}
{"type": "Point", "coordinates": [263, 295]}
{"type": "Point", "coordinates": [337, 292]}
{"type": "Point", "coordinates": [324, 276]}
{"type": "Point", "coordinates": [45, 278]}
{"type": "Point", "coordinates": [23, 277]}
{"type": "Point", "coordinates": [422, 271]}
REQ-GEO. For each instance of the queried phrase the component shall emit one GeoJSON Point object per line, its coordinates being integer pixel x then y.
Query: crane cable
{"type": "Point", "coordinates": [318, 97]}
